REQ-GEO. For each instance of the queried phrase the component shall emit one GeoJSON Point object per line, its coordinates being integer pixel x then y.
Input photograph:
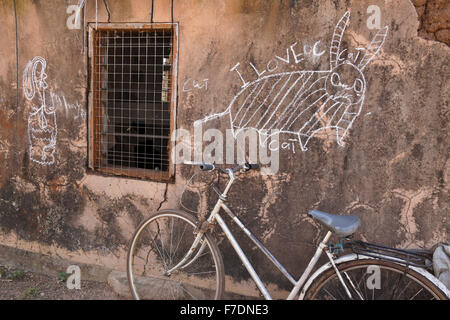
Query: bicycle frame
{"type": "Point", "coordinates": [215, 217]}
{"type": "Point", "coordinates": [410, 259]}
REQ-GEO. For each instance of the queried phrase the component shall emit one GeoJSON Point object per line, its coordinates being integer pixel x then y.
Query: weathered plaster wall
{"type": "Point", "coordinates": [393, 170]}
{"type": "Point", "coordinates": [434, 17]}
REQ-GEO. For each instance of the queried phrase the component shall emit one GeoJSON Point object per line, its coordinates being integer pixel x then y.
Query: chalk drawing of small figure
{"type": "Point", "coordinates": [42, 128]}
{"type": "Point", "coordinates": [307, 102]}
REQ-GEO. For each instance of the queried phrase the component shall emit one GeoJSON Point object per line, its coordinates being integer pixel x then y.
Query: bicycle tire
{"type": "Point", "coordinates": [373, 279]}
{"type": "Point", "coordinates": [159, 243]}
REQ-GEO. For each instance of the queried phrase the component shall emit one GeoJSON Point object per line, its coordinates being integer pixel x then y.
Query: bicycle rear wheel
{"type": "Point", "coordinates": [373, 279]}
{"type": "Point", "coordinates": [159, 244]}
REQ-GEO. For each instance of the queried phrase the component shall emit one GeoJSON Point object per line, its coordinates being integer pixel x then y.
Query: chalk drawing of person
{"type": "Point", "coordinates": [42, 128]}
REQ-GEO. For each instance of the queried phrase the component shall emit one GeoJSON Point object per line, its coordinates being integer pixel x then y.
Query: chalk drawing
{"type": "Point", "coordinates": [191, 84]}
{"type": "Point", "coordinates": [42, 128]}
{"type": "Point", "coordinates": [59, 102]}
{"type": "Point", "coordinates": [310, 52]}
{"type": "Point", "coordinates": [304, 103]}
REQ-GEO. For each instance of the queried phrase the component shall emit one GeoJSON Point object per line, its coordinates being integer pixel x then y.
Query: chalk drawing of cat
{"type": "Point", "coordinates": [303, 103]}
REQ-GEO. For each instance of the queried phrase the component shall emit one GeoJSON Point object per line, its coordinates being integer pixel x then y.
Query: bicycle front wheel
{"type": "Point", "coordinates": [161, 243]}
{"type": "Point", "coordinates": [373, 279]}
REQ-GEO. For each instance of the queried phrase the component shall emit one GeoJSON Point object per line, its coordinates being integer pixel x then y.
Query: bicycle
{"type": "Point", "coordinates": [173, 255]}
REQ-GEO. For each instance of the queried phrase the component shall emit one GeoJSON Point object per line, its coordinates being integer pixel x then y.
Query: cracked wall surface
{"type": "Point", "coordinates": [434, 17]}
{"type": "Point", "coordinates": [392, 169]}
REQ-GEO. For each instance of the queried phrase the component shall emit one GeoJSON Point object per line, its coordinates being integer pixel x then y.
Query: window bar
{"type": "Point", "coordinates": [147, 42]}
{"type": "Point", "coordinates": [115, 106]}
{"type": "Point", "coordinates": [104, 96]}
{"type": "Point", "coordinates": [97, 94]}
{"type": "Point", "coordinates": [163, 92]}
{"type": "Point", "coordinates": [119, 153]}
{"type": "Point", "coordinates": [129, 111]}
{"type": "Point", "coordinates": [155, 53]}
{"type": "Point", "coordinates": [138, 58]}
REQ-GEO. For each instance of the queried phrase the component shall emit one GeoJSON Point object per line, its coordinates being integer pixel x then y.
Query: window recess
{"type": "Point", "coordinates": [132, 98]}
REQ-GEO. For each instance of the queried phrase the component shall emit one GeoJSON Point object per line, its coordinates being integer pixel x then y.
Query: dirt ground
{"type": "Point", "coordinates": [16, 284]}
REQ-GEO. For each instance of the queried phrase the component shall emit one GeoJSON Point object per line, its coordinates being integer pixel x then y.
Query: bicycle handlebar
{"type": "Point", "coordinates": [251, 166]}
{"type": "Point", "coordinates": [207, 167]}
{"type": "Point", "coordinates": [210, 167]}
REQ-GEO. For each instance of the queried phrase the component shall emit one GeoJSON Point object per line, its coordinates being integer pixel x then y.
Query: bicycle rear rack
{"type": "Point", "coordinates": [417, 258]}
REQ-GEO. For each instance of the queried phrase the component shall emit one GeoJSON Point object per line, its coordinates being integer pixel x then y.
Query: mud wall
{"type": "Point", "coordinates": [434, 17]}
{"type": "Point", "coordinates": [390, 168]}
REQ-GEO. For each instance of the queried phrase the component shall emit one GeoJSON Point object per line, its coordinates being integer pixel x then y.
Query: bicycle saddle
{"type": "Point", "coordinates": [341, 225]}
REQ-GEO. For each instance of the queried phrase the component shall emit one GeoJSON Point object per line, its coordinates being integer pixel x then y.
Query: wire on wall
{"type": "Point", "coordinates": [151, 15]}
{"type": "Point", "coordinates": [171, 11]}
{"type": "Point", "coordinates": [107, 10]}
{"type": "Point", "coordinates": [17, 56]}
{"type": "Point", "coordinates": [17, 74]}
{"type": "Point", "coordinates": [84, 29]}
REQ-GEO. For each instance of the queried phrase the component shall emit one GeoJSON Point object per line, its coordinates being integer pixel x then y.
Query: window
{"type": "Point", "coordinates": [132, 98]}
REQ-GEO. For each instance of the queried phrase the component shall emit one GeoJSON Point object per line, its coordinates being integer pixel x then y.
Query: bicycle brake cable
{"type": "Point", "coordinates": [182, 193]}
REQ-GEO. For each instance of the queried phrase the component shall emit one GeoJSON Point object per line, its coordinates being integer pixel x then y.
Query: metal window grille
{"type": "Point", "coordinates": [132, 87]}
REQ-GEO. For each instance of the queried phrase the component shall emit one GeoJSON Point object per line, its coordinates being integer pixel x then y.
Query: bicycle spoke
{"type": "Point", "coordinates": [329, 293]}
{"type": "Point", "coordinates": [161, 244]}
{"type": "Point", "coordinates": [197, 273]}
{"type": "Point", "coordinates": [412, 298]}
{"type": "Point", "coordinates": [406, 287]}
{"type": "Point", "coordinates": [353, 286]}
{"type": "Point", "coordinates": [363, 274]}
{"type": "Point", "coordinates": [172, 291]}
{"type": "Point", "coordinates": [397, 282]}
{"type": "Point", "coordinates": [170, 249]}
{"type": "Point", "coordinates": [184, 230]}
{"type": "Point", "coordinates": [182, 288]}
{"type": "Point", "coordinates": [362, 278]}
{"type": "Point", "coordinates": [153, 239]}
{"type": "Point", "coordinates": [161, 255]}
{"type": "Point", "coordinates": [394, 291]}
{"type": "Point", "coordinates": [337, 289]}
{"type": "Point", "coordinates": [163, 249]}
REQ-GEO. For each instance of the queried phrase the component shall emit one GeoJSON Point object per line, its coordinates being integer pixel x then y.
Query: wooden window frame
{"type": "Point", "coordinates": [161, 176]}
